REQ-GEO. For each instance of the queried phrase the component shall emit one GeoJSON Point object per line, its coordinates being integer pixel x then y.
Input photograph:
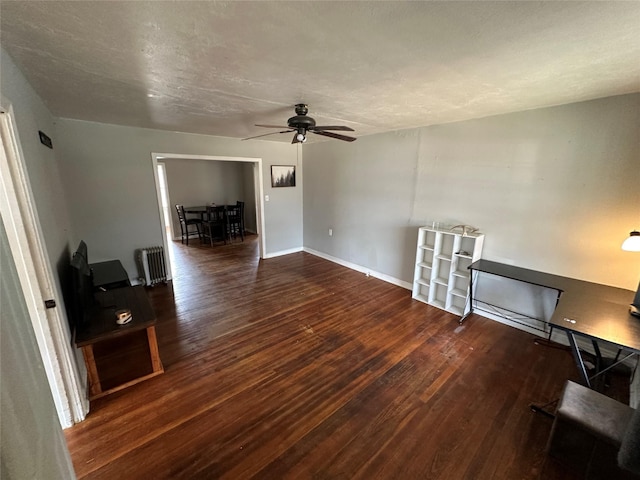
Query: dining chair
{"type": "Point", "coordinates": [185, 223]}
{"type": "Point", "coordinates": [215, 225]}
{"type": "Point", "coordinates": [234, 221]}
{"type": "Point", "coordinates": [241, 205]}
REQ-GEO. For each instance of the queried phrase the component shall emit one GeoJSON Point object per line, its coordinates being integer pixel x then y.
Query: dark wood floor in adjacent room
{"type": "Point", "coordinates": [295, 367]}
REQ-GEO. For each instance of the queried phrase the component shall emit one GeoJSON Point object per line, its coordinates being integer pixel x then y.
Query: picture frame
{"type": "Point", "coordinates": [283, 176]}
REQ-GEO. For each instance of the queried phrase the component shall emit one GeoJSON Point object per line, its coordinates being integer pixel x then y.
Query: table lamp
{"type": "Point", "coordinates": [632, 244]}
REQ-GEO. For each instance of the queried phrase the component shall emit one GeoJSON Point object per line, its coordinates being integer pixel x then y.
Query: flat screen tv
{"type": "Point", "coordinates": [81, 278]}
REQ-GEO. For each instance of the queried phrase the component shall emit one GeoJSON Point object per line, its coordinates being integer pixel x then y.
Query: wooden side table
{"type": "Point", "coordinates": [102, 327]}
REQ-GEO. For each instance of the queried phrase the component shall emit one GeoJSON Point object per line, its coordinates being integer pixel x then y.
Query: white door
{"type": "Point", "coordinates": [36, 278]}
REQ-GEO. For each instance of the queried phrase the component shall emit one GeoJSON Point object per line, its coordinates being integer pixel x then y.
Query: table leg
{"type": "Point", "coordinates": [578, 358]}
{"type": "Point", "coordinates": [95, 388]}
{"type": "Point", "coordinates": [470, 296]}
{"type": "Point", "coordinates": [153, 350]}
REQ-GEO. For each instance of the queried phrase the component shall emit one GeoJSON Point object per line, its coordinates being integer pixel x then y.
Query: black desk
{"type": "Point", "coordinates": [590, 310]}
{"type": "Point", "coordinates": [109, 274]}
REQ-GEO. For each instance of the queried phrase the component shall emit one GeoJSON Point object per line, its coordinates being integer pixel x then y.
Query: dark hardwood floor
{"type": "Point", "coordinates": [295, 367]}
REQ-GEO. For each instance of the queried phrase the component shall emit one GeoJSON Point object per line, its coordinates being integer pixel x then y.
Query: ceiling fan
{"type": "Point", "coordinates": [301, 124]}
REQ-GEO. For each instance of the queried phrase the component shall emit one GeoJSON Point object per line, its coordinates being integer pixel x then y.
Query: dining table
{"type": "Point", "coordinates": [202, 210]}
{"type": "Point", "coordinates": [197, 210]}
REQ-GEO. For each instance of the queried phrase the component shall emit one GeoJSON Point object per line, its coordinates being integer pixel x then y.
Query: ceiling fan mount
{"type": "Point", "coordinates": [302, 124]}
{"type": "Point", "coordinates": [301, 120]}
{"type": "Point", "coordinates": [301, 109]}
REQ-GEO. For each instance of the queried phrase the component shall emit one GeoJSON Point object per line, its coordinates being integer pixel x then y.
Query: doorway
{"type": "Point", "coordinates": [165, 202]}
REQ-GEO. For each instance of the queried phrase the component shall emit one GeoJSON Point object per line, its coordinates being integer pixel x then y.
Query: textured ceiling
{"type": "Point", "coordinates": [219, 67]}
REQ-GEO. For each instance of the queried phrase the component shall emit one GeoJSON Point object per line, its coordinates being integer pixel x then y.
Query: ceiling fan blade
{"type": "Point", "coordinates": [336, 135]}
{"type": "Point", "coordinates": [271, 126]}
{"type": "Point", "coordinates": [333, 127]}
{"type": "Point", "coordinates": [265, 134]}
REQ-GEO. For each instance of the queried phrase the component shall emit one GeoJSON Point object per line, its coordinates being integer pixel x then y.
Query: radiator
{"type": "Point", "coordinates": [151, 265]}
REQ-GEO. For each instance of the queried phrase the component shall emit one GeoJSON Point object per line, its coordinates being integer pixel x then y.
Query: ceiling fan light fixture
{"type": "Point", "coordinates": [301, 124]}
{"type": "Point", "coordinates": [632, 243]}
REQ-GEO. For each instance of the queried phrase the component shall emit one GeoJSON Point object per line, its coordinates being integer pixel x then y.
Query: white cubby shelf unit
{"type": "Point", "coordinates": [441, 275]}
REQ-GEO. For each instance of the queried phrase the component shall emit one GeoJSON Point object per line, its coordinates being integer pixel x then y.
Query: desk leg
{"type": "Point", "coordinates": [470, 296]}
{"type": "Point", "coordinates": [95, 388]}
{"type": "Point", "coordinates": [578, 358]}
{"type": "Point", "coordinates": [153, 350]}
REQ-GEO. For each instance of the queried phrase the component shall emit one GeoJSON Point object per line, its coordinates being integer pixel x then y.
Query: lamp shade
{"type": "Point", "coordinates": [632, 244]}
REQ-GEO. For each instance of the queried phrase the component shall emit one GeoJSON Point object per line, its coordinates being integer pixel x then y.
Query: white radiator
{"type": "Point", "coordinates": [151, 265]}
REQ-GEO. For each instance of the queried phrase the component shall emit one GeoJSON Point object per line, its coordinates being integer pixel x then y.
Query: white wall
{"type": "Point", "coordinates": [553, 189]}
{"type": "Point", "coordinates": [107, 171]}
{"type": "Point", "coordinates": [31, 441]}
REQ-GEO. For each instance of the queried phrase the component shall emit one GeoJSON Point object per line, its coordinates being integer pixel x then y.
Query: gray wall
{"type": "Point", "coordinates": [48, 191]}
{"type": "Point", "coordinates": [250, 198]}
{"type": "Point", "coordinates": [553, 189]}
{"type": "Point", "coordinates": [107, 171]}
{"type": "Point", "coordinates": [31, 441]}
{"type": "Point", "coordinates": [47, 188]}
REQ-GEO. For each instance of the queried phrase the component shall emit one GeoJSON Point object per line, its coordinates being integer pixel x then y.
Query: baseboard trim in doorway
{"type": "Point", "coordinates": [283, 252]}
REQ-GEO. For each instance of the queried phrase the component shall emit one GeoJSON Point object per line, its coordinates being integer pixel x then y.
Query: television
{"type": "Point", "coordinates": [81, 279]}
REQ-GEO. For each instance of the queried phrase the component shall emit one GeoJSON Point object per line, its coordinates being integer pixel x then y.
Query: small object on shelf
{"type": "Point", "coordinates": [466, 229]}
{"type": "Point", "coordinates": [464, 253]}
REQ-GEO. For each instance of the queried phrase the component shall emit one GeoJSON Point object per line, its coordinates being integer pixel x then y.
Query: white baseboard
{"type": "Point", "coordinates": [282, 252]}
{"type": "Point", "coordinates": [360, 268]}
{"type": "Point", "coordinates": [561, 337]}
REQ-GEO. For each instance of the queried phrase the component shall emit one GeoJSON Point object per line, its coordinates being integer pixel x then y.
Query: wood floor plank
{"type": "Point", "coordinates": [295, 367]}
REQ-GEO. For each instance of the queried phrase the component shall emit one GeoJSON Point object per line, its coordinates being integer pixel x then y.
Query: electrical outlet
{"type": "Point", "coordinates": [266, 198]}
{"type": "Point", "coordinates": [331, 232]}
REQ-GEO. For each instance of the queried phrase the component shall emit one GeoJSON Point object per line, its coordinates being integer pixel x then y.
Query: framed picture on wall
{"type": "Point", "coordinates": [283, 176]}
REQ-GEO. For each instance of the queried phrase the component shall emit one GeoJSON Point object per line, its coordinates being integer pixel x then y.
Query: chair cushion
{"type": "Point", "coordinates": [629, 454]}
{"type": "Point", "coordinates": [598, 414]}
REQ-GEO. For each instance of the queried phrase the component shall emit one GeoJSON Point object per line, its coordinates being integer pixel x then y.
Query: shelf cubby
{"type": "Point", "coordinates": [441, 275]}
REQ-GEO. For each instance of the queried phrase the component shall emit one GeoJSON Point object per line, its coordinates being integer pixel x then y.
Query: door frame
{"type": "Point", "coordinates": [258, 192]}
{"type": "Point", "coordinates": [30, 256]}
